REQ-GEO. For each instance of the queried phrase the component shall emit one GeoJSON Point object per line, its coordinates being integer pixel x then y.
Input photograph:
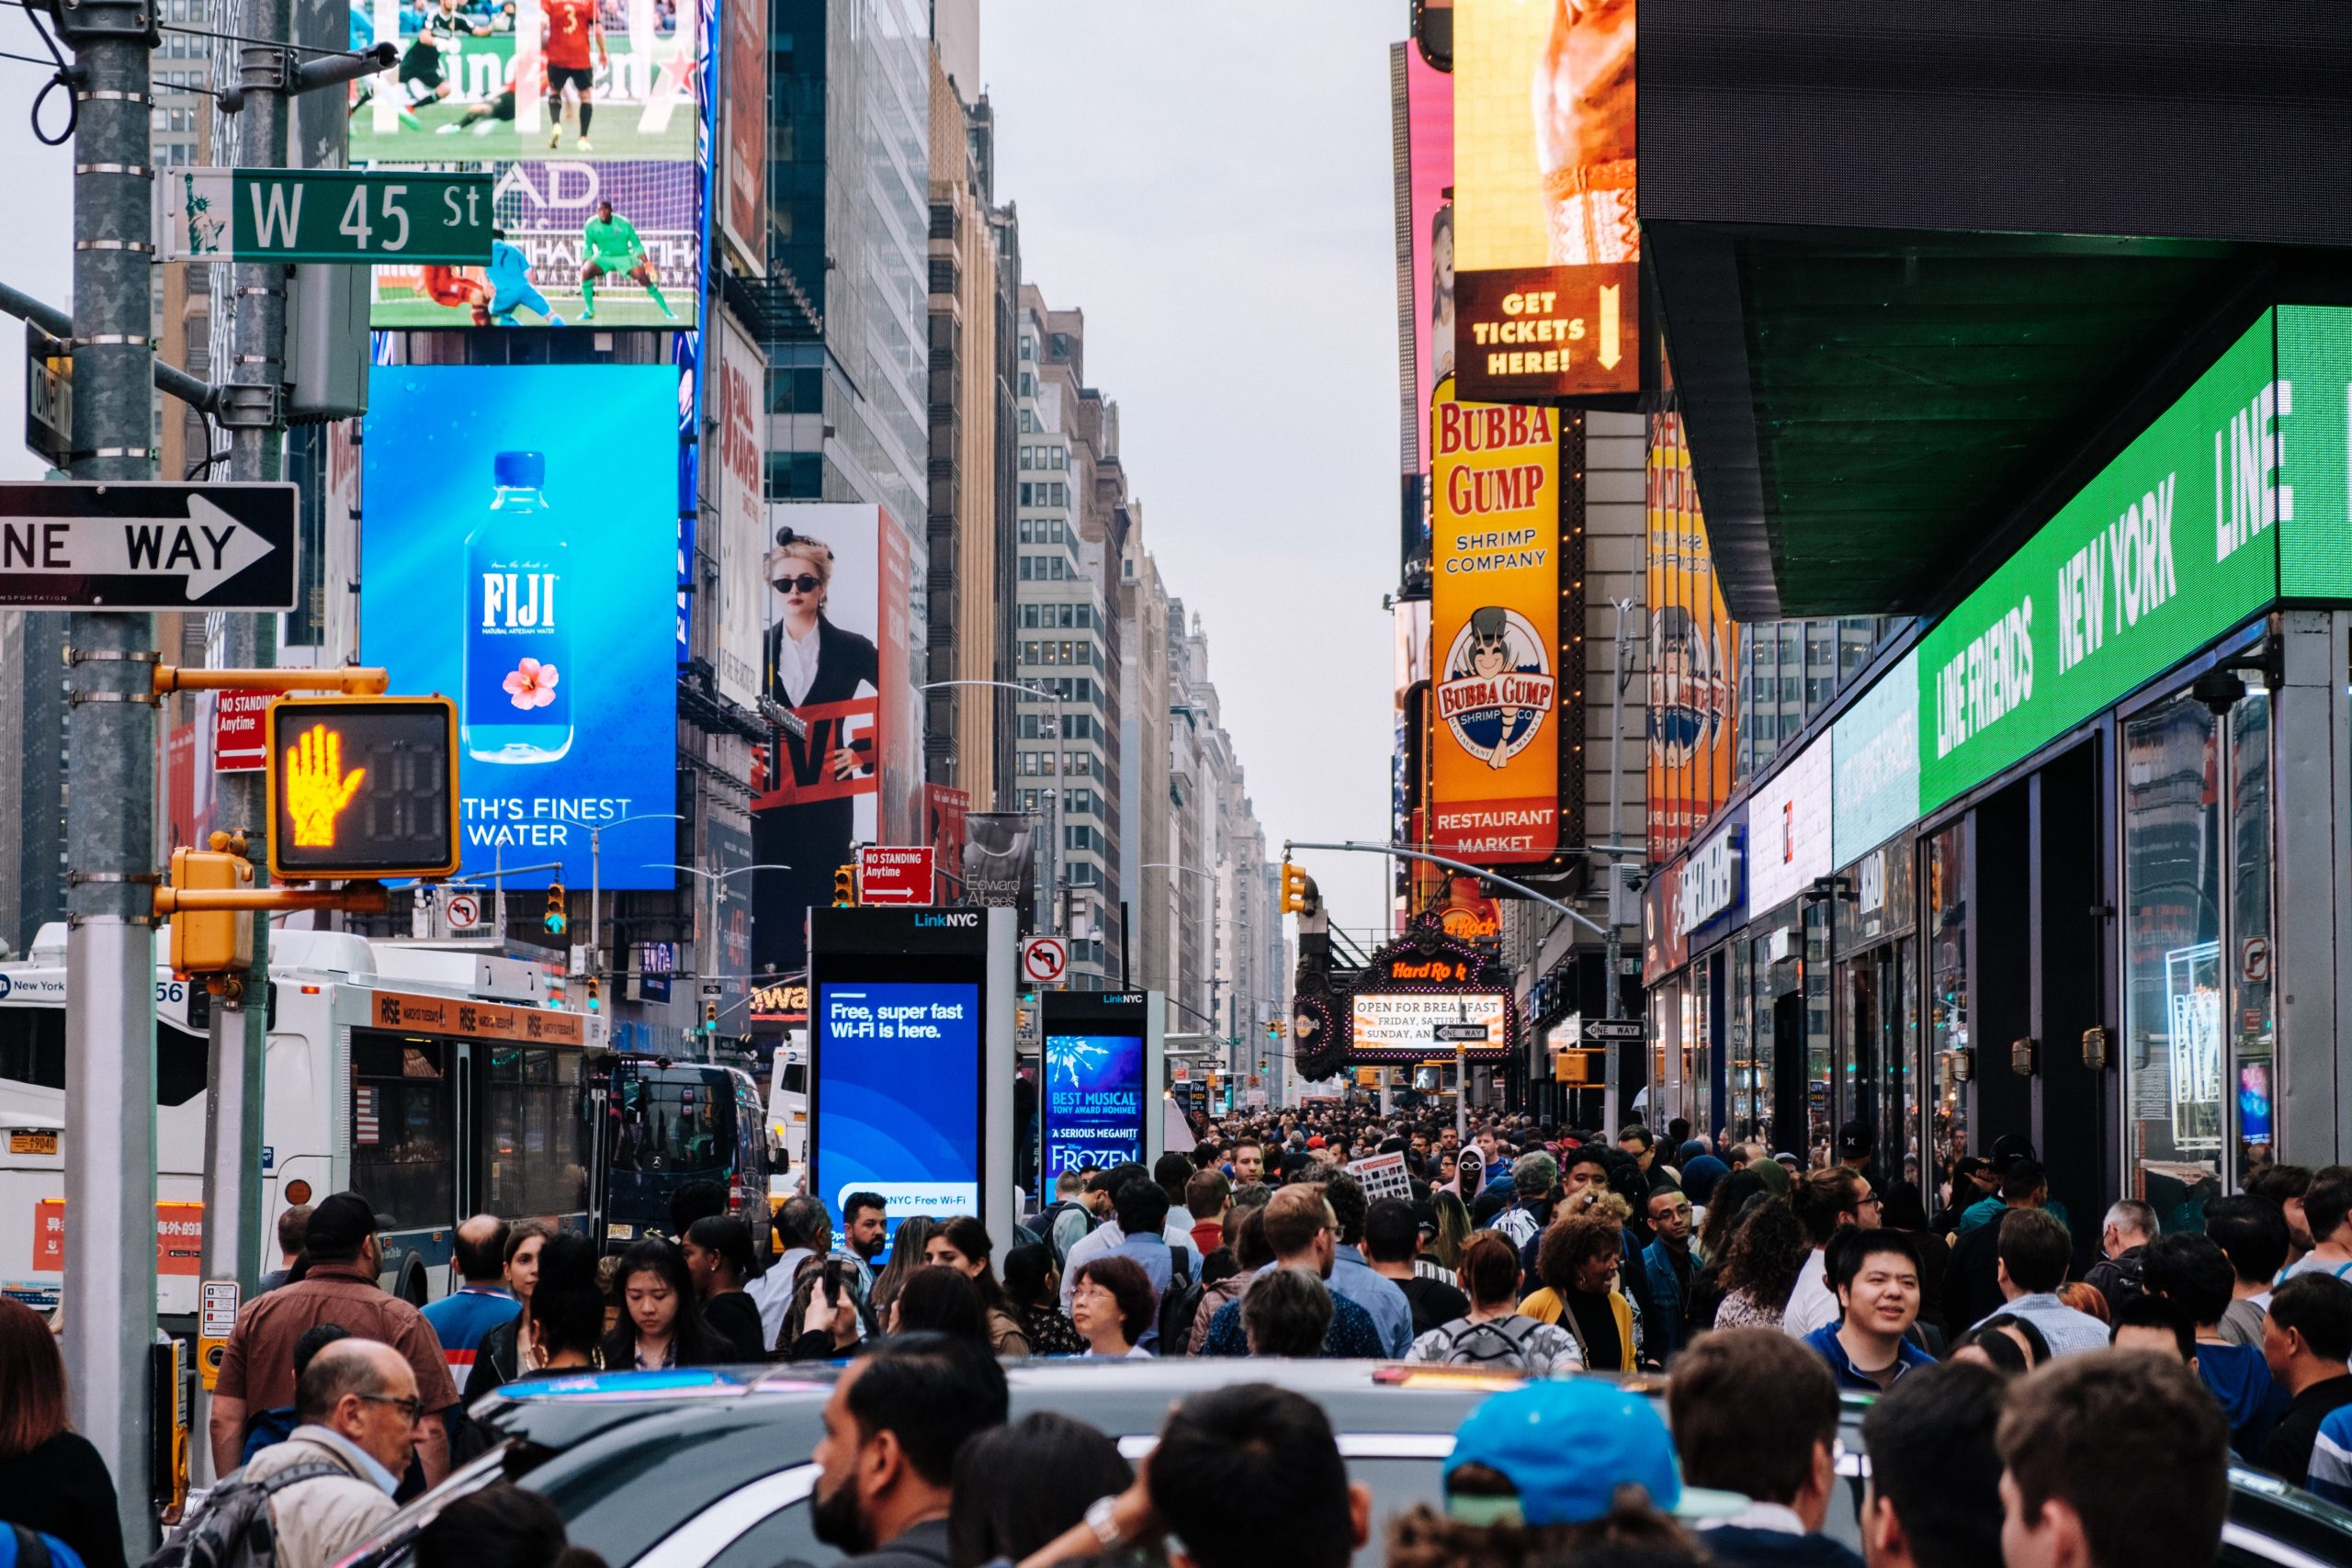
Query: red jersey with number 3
{"type": "Point", "coordinates": [569, 23]}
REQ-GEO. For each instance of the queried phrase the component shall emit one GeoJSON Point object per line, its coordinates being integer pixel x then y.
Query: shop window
{"type": "Point", "coordinates": [2200, 1047]}
{"type": "Point", "coordinates": [1949, 1039]}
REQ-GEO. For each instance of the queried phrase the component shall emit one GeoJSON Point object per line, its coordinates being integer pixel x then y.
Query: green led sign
{"type": "Point", "coordinates": [2173, 543]}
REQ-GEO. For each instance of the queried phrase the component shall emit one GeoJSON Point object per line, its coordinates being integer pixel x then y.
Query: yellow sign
{"type": "Point", "coordinates": [1547, 248]}
{"type": "Point", "coordinates": [1691, 645]}
{"type": "Point", "coordinates": [1498, 643]}
{"type": "Point", "coordinates": [32, 1143]}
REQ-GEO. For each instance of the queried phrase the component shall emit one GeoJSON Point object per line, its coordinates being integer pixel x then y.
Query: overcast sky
{"type": "Point", "coordinates": [1210, 183]}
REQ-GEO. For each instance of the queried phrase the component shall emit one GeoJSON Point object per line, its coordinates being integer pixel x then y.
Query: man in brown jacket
{"type": "Point", "coordinates": [358, 1410]}
{"type": "Point", "coordinates": [342, 1259]}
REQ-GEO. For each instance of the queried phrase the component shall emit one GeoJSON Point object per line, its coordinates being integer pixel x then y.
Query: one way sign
{"type": "Point", "coordinates": [123, 545]}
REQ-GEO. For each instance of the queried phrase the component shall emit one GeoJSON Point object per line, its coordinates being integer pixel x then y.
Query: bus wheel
{"type": "Point", "coordinates": [413, 1285]}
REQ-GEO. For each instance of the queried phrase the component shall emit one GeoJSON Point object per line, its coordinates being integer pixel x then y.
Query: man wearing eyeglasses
{"type": "Point", "coordinates": [335, 1474]}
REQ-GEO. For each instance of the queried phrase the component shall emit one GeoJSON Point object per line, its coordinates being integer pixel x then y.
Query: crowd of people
{"type": "Point", "coordinates": [1761, 1292]}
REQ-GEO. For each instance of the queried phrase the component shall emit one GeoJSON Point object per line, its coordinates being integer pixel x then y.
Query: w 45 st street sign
{"type": "Point", "coordinates": [324, 215]}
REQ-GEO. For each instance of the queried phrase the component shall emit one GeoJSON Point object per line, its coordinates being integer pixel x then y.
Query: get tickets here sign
{"type": "Point", "coordinates": [1495, 631]}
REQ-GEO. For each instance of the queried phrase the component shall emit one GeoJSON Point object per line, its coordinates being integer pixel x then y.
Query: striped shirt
{"type": "Point", "coordinates": [460, 1321]}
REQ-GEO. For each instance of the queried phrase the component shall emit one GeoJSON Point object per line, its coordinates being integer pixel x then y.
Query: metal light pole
{"type": "Point", "coordinates": [717, 879]}
{"type": "Point", "coordinates": [111, 805]}
{"type": "Point", "coordinates": [595, 881]}
{"type": "Point", "coordinates": [1214, 890]}
{"type": "Point", "coordinates": [1054, 866]}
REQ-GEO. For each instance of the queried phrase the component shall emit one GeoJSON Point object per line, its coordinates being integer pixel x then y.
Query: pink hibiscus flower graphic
{"type": "Point", "coordinates": [532, 684]}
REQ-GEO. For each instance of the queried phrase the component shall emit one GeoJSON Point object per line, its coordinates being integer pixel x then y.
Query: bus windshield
{"type": "Point", "coordinates": [675, 1121]}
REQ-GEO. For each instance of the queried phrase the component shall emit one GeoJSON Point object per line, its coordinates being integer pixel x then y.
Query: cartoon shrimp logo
{"type": "Point", "coordinates": [1497, 687]}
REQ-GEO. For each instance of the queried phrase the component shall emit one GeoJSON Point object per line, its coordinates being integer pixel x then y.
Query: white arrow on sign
{"type": "Point", "coordinates": [208, 547]}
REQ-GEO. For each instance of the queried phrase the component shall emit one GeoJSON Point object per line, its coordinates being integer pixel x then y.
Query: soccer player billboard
{"type": "Point", "coordinates": [579, 242]}
{"type": "Point", "coordinates": [611, 79]}
{"type": "Point", "coordinates": [516, 528]}
{"type": "Point", "coordinates": [1547, 251]}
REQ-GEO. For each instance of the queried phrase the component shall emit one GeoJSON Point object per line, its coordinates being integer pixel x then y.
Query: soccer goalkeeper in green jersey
{"type": "Point", "coordinates": [609, 243]}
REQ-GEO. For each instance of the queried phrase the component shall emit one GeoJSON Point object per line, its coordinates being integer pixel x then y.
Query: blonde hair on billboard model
{"type": "Point", "coordinates": [790, 546]}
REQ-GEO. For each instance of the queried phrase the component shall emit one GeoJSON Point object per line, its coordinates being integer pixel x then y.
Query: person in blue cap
{"type": "Point", "coordinates": [1577, 1465]}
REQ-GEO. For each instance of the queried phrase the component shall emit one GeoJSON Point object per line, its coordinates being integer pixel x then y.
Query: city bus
{"type": "Point", "coordinates": [438, 1084]}
{"type": "Point", "coordinates": [671, 1122]}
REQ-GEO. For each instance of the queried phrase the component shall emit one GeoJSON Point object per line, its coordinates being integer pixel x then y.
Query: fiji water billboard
{"type": "Point", "coordinates": [517, 533]}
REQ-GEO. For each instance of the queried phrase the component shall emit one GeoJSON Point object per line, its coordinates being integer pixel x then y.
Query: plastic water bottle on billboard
{"type": "Point", "coordinates": [518, 674]}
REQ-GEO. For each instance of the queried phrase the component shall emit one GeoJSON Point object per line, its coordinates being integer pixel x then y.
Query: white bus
{"type": "Point", "coordinates": [438, 1084]}
{"type": "Point", "coordinates": [788, 1101]}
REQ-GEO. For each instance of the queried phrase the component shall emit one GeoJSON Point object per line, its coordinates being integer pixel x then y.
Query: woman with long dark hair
{"type": "Point", "coordinates": [1761, 1269]}
{"type": "Point", "coordinates": [718, 1258]}
{"type": "Point", "coordinates": [963, 1245]}
{"type": "Point", "coordinates": [1019, 1487]}
{"type": "Point", "coordinates": [907, 1256]}
{"type": "Point", "coordinates": [500, 1527]}
{"type": "Point", "coordinates": [661, 1323]}
{"type": "Point", "coordinates": [1031, 1286]}
{"type": "Point", "coordinates": [51, 1479]}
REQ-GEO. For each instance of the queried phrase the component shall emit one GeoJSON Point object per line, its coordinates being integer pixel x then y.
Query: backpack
{"type": "Point", "coordinates": [1178, 1309]}
{"type": "Point", "coordinates": [234, 1529]}
{"type": "Point", "coordinates": [1047, 1229]}
{"type": "Point", "coordinates": [34, 1549]}
{"type": "Point", "coordinates": [1486, 1344]}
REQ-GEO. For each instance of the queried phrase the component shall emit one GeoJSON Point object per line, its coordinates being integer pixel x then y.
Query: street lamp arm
{"type": "Point", "coordinates": [714, 876]}
{"type": "Point", "coordinates": [1587, 921]}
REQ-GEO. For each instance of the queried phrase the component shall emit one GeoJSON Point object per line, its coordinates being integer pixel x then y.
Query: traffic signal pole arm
{"type": "Point", "coordinates": [1519, 887]}
{"type": "Point", "coordinates": [357, 680]}
{"type": "Point", "coordinates": [364, 898]}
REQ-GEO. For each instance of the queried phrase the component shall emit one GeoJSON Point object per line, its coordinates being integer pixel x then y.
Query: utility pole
{"type": "Point", "coordinates": [251, 412]}
{"type": "Point", "coordinates": [110, 780]}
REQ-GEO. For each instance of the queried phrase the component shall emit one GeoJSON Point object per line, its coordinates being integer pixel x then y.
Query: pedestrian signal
{"type": "Point", "coordinates": [558, 916]}
{"type": "Point", "coordinates": [210, 941]}
{"type": "Point", "coordinates": [362, 787]}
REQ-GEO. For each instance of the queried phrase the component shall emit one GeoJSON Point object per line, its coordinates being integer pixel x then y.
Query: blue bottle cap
{"type": "Point", "coordinates": [520, 470]}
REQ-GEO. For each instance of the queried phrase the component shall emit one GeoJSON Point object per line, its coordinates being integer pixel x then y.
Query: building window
{"type": "Point", "coordinates": [1028, 346]}
{"type": "Point", "coordinates": [1028, 422]}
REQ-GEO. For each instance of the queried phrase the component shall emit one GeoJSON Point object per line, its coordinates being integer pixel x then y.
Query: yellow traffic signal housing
{"type": "Point", "coordinates": [1297, 889]}
{"type": "Point", "coordinates": [596, 993]}
{"type": "Point", "coordinates": [362, 787]}
{"type": "Point", "coordinates": [558, 916]}
{"type": "Point", "coordinates": [212, 942]}
{"type": "Point", "coordinates": [845, 887]}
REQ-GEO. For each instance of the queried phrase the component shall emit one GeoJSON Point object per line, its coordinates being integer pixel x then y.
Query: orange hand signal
{"type": "Point", "coordinates": [316, 789]}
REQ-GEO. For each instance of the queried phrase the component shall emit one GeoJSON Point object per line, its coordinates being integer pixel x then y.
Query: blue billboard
{"type": "Point", "coordinates": [1093, 1106]}
{"type": "Point", "coordinates": [518, 524]}
{"type": "Point", "coordinates": [897, 1109]}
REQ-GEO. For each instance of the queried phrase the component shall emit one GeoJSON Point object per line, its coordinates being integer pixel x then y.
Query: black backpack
{"type": "Point", "coordinates": [1053, 1212]}
{"type": "Point", "coordinates": [234, 1529]}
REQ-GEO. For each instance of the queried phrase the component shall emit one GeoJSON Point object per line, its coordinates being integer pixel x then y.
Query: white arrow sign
{"type": "Point", "coordinates": [208, 547]}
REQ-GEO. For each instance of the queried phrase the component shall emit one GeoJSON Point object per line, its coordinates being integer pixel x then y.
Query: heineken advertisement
{"type": "Point", "coordinates": [2173, 543]}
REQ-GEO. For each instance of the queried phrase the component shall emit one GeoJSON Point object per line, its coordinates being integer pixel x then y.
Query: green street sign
{"type": "Point", "coordinates": [323, 215]}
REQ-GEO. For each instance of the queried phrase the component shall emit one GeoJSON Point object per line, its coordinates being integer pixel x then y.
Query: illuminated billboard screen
{"type": "Point", "coordinates": [588, 115]}
{"type": "Point", "coordinates": [839, 656]}
{"type": "Point", "coordinates": [1547, 251]}
{"type": "Point", "coordinates": [1692, 714]}
{"type": "Point", "coordinates": [517, 527]}
{"type": "Point", "coordinates": [1428, 108]}
{"type": "Point", "coordinates": [1092, 1105]}
{"type": "Point", "coordinates": [1504, 719]}
{"type": "Point", "coordinates": [898, 1102]}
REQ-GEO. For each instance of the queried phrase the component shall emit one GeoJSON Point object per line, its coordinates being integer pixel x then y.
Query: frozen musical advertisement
{"type": "Point", "coordinates": [517, 523]}
{"type": "Point", "coordinates": [845, 766]}
{"type": "Point", "coordinates": [1692, 710]}
{"type": "Point", "coordinates": [1503, 571]}
{"type": "Point", "coordinates": [742, 516]}
{"type": "Point", "coordinates": [1547, 248]}
{"type": "Point", "coordinates": [1102, 1072]}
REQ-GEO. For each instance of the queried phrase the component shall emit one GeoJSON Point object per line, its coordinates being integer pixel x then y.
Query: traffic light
{"type": "Point", "coordinates": [710, 1018]}
{"type": "Point", "coordinates": [845, 887]}
{"type": "Point", "coordinates": [210, 941]}
{"type": "Point", "coordinates": [557, 918]}
{"type": "Point", "coordinates": [362, 787]}
{"type": "Point", "coordinates": [595, 992]}
{"type": "Point", "coordinates": [1297, 889]}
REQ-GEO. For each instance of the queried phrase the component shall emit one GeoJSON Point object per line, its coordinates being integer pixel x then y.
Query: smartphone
{"type": "Point", "coordinates": [836, 1279]}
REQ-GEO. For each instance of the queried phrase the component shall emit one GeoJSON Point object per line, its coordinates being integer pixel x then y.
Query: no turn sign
{"type": "Point", "coordinates": [1044, 959]}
